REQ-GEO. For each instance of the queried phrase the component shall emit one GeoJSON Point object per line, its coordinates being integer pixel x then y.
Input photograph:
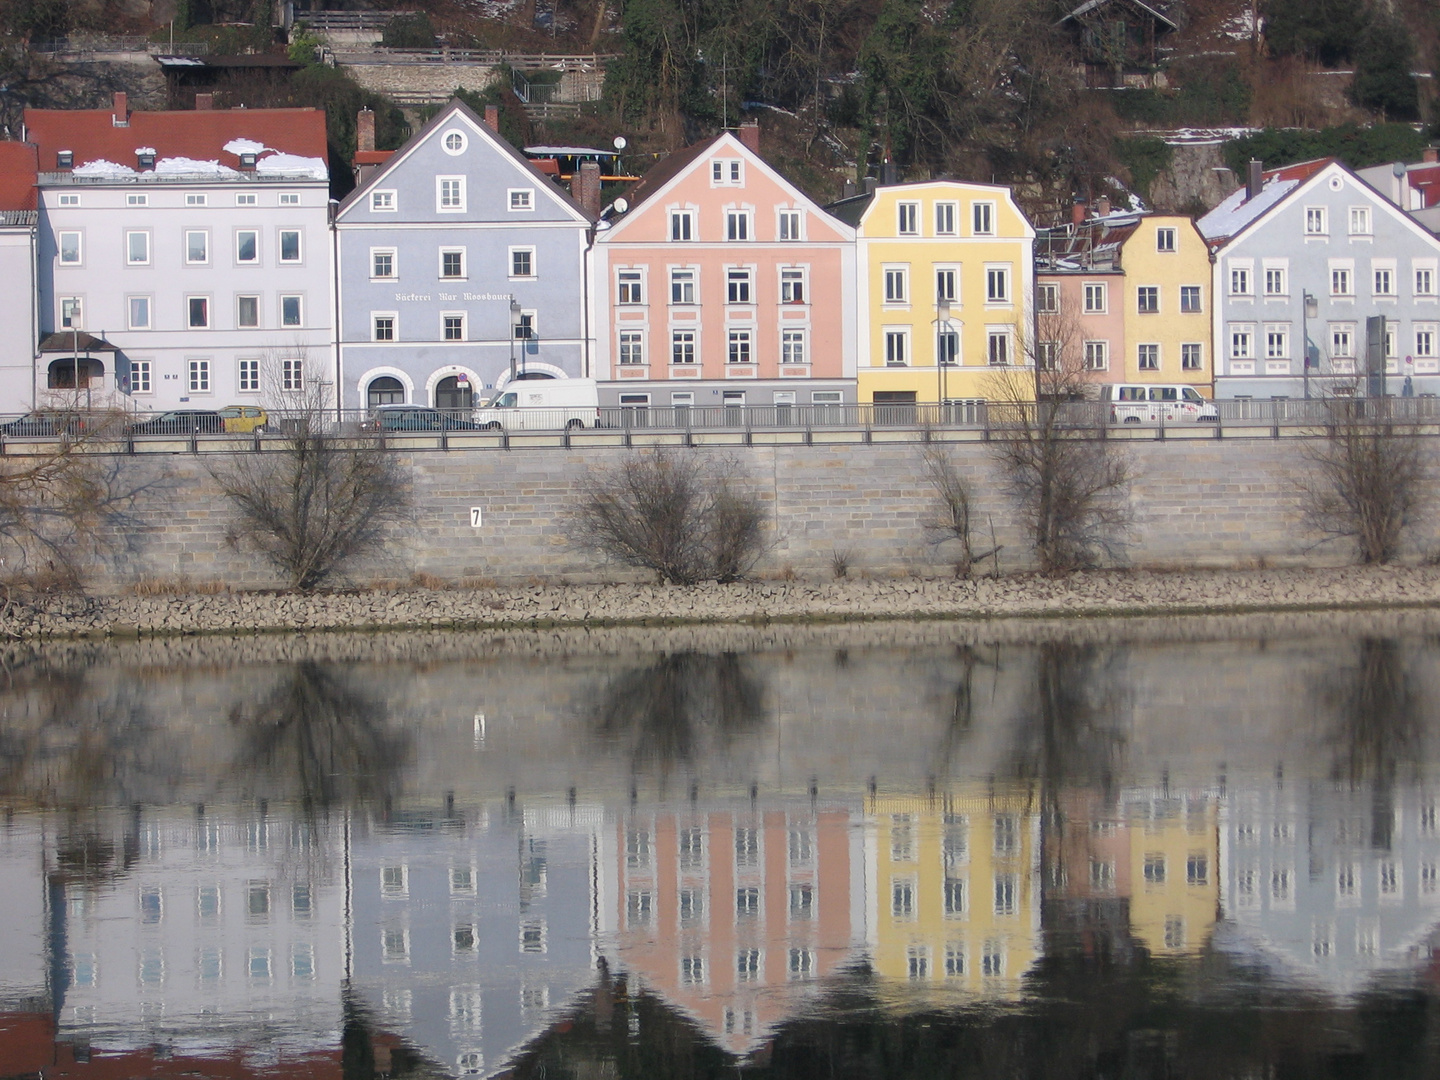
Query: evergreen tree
{"type": "Point", "coordinates": [1325, 30]}
{"type": "Point", "coordinates": [1384, 56]}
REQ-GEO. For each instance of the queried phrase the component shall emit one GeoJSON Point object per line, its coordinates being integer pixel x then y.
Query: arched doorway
{"type": "Point", "coordinates": [69, 373]}
{"type": "Point", "coordinates": [384, 391]}
{"type": "Point", "coordinates": [454, 397]}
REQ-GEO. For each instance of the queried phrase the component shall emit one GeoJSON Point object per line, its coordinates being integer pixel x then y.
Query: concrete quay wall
{"type": "Point", "coordinates": [1194, 503]}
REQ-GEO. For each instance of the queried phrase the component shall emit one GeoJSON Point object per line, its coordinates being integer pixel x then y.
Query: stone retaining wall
{"type": "Point", "coordinates": [1195, 503]}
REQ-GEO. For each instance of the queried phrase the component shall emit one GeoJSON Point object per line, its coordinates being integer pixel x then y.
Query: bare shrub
{"type": "Point", "coordinates": [682, 515]}
{"type": "Point", "coordinates": [1368, 479]}
{"type": "Point", "coordinates": [1067, 480]}
{"type": "Point", "coordinates": [840, 560]}
{"type": "Point", "coordinates": [320, 500]}
{"type": "Point", "coordinates": [951, 515]}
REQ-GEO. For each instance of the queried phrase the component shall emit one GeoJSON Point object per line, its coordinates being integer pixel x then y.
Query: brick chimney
{"type": "Point", "coordinates": [1102, 206]}
{"type": "Point", "coordinates": [750, 135]}
{"type": "Point", "coordinates": [585, 187]}
{"type": "Point", "coordinates": [492, 118]}
{"type": "Point", "coordinates": [204, 102]}
{"type": "Point", "coordinates": [120, 117]}
{"type": "Point", "coordinates": [365, 131]}
{"type": "Point", "coordinates": [1077, 212]}
{"type": "Point", "coordinates": [1254, 179]}
{"type": "Point", "coordinates": [1430, 155]}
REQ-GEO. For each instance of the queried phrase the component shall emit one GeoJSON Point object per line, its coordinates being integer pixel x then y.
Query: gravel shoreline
{"type": "Point", "coordinates": [1095, 593]}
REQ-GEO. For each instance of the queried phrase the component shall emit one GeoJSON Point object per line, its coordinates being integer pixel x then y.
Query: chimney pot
{"type": "Point", "coordinates": [1102, 206]}
{"type": "Point", "coordinates": [492, 117]}
{"type": "Point", "coordinates": [365, 130]}
{"type": "Point", "coordinates": [1431, 154]}
{"type": "Point", "coordinates": [1254, 179]}
{"type": "Point", "coordinates": [1077, 212]}
{"type": "Point", "coordinates": [888, 173]}
{"type": "Point", "coordinates": [750, 135]}
{"type": "Point", "coordinates": [120, 116]}
{"type": "Point", "coordinates": [204, 102]}
{"type": "Point", "coordinates": [870, 185]}
{"type": "Point", "coordinates": [585, 187]}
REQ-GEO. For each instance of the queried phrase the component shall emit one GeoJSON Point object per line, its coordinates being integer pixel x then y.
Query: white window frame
{"type": "Point", "coordinates": [196, 199]}
{"type": "Point", "coordinates": [727, 172]}
{"type": "Point", "coordinates": [1361, 221]}
{"type": "Point", "coordinates": [190, 324]}
{"type": "Point", "coordinates": [1097, 355]}
{"type": "Point", "coordinates": [630, 286]}
{"type": "Point", "coordinates": [1047, 298]}
{"type": "Point", "coordinates": [684, 279]}
{"type": "Point", "coordinates": [1165, 237]}
{"type": "Point", "coordinates": [982, 218]}
{"type": "Point", "coordinates": [130, 322]}
{"type": "Point", "coordinates": [734, 279]}
{"type": "Point", "coordinates": [947, 217]}
{"type": "Point", "coordinates": [440, 254]}
{"type": "Point", "coordinates": [394, 317]}
{"type": "Point", "coordinates": [682, 219]}
{"type": "Point", "coordinates": [247, 375]}
{"type": "Point", "coordinates": [739, 220]}
{"type": "Point", "coordinates": [1004, 274]}
{"type": "Point", "coordinates": [907, 218]}
{"type": "Point", "coordinates": [947, 283]}
{"type": "Point", "coordinates": [740, 342]}
{"type": "Point", "coordinates": [1095, 297]}
{"type": "Point", "coordinates": [299, 247]}
{"type": "Point", "coordinates": [1317, 221]}
{"type": "Point", "coordinates": [240, 324]}
{"type": "Point", "coordinates": [76, 305]}
{"type": "Point", "coordinates": [446, 201]}
{"type": "Point", "coordinates": [1277, 341]}
{"type": "Point", "coordinates": [1277, 274]}
{"type": "Point", "coordinates": [1342, 340]}
{"type": "Point", "coordinates": [205, 233]}
{"type": "Point", "coordinates": [292, 374]}
{"type": "Point", "coordinates": [790, 277]}
{"type": "Point", "coordinates": [897, 346]}
{"type": "Point", "coordinates": [142, 376]}
{"type": "Point", "coordinates": [630, 348]}
{"type": "Point", "coordinates": [1427, 268]}
{"type": "Point", "coordinates": [1387, 267]}
{"type": "Point", "coordinates": [445, 316]}
{"type": "Point", "coordinates": [1242, 342]}
{"type": "Point", "coordinates": [789, 224]}
{"type": "Point", "coordinates": [684, 342]}
{"type": "Point", "coordinates": [527, 250]}
{"type": "Point", "coordinates": [289, 198]}
{"type": "Point", "coordinates": [454, 142]}
{"type": "Point", "coordinates": [1191, 349]}
{"type": "Point", "coordinates": [299, 299]}
{"type": "Point", "coordinates": [1342, 278]}
{"type": "Point", "coordinates": [895, 281]}
{"type": "Point", "coordinates": [79, 259]}
{"type": "Point", "coordinates": [70, 199]}
{"type": "Point", "coordinates": [383, 201]}
{"type": "Point", "coordinates": [247, 200]}
{"type": "Point", "coordinates": [1140, 308]}
{"type": "Point", "coordinates": [1150, 350]}
{"type": "Point", "coordinates": [794, 345]}
{"type": "Point", "coordinates": [1429, 330]}
{"type": "Point", "coordinates": [198, 376]}
{"type": "Point", "coordinates": [1005, 334]}
{"type": "Point", "coordinates": [1242, 278]}
{"type": "Point", "coordinates": [1200, 295]}
{"type": "Point", "coordinates": [129, 260]}
{"type": "Point", "coordinates": [394, 256]}
{"type": "Point", "coordinates": [247, 262]}
{"type": "Point", "coordinates": [521, 200]}
{"type": "Point", "coordinates": [131, 199]}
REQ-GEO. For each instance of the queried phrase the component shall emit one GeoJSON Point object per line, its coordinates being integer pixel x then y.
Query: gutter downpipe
{"type": "Point", "coordinates": [35, 314]}
{"type": "Point", "coordinates": [333, 208]}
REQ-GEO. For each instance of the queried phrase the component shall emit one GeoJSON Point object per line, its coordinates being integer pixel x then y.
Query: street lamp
{"type": "Point", "coordinates": [514, 329]}
{"type": "Point", "coordinates": [942, 319]}
{"type": "Point", "coordinates": [1309, 310]}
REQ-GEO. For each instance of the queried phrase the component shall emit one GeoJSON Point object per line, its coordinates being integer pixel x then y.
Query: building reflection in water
{"type": "Point", "coordinates": [367, 886]}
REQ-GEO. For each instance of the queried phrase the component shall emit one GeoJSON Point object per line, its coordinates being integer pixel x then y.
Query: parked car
{"type": "Point", "coordinates": [1150, 404]}
{"type": "Point", "coordinates": [181, 422]}
{"type": "Point", "coordinates": [542, 405]}
{"type": "Point", "coordinates": [415, 418]}
{"type": "Point", "coordinates": [44, 425]}
{"type": "Point", "coordinates": [245, 418]}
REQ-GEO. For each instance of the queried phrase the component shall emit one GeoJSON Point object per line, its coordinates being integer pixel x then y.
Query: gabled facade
{"type": "Point", "coordinates": [190, 246]}
{"type": "Point", "coordinates": [461, 268]}
{"type": "Point", "coordinates": [946, 276]}
{"type": "Point", "coordinates": [1079, 296]}
{"type": "Point", "coordinates": [1318, 231]}
{"type": "Point", "coordinates": [724, 284]}
{"type": "Point", "coordinates": [18, 329]}
{"type": "Point", "coordinates": [1166, 302]}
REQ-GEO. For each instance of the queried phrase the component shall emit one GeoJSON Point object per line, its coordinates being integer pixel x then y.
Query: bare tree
{"type": "Point", "coordinates": [1368, 480]}
{"type": "Point", "coordinates": [682, 515]}
{"type": "Point", "coordinates": [319, 500]}
{"type": "Point", "coordinates": [1067, 479]}
{"type": "Point", "coordinates": [951, 514]}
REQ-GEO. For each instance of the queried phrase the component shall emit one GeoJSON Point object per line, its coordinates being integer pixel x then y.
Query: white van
{"type": "Point", "coordinates": [1136, 403]}
{"type": "Point", "coordinates": [542, 405]}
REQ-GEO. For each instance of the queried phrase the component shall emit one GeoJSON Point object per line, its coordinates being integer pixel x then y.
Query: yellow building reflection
{"type": "Point", "coordinates": [955, 889]}
{"type": "Point", "coordinates": [1174, 852]}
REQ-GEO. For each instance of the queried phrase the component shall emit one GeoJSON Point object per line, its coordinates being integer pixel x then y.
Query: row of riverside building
{"type": "Point", "coordinates": [195, 259]}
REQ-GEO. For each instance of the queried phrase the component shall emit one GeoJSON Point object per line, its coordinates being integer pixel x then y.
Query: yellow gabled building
{"type": "Point", "coordinates": [1174, 872]}
{"type": "Point", "coordinates": [1167, 303]}
{"type": "Point", "coordinates": [954, 890]}
{"type": "Point", "coordinates": [945, 279]}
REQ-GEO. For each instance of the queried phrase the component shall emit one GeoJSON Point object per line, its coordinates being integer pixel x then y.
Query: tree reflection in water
{"type": "Point", "coordinates": [320, 743]}
{"type": "Point", "coordinates": [683, 705]}
{"type": "Point", "coordinates": [1069, 731]}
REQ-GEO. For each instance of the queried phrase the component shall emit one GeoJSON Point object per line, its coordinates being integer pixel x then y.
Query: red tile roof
{"type": "Point", "coordinates": [1426, 180]}
{"type": "Point", "coordinates": [91, 134]}
{"type": "Point", "coordinates": [372, 157]}
{"type": "Point", "coordinates": [1301, 171]}
{"type": "Point", "coordinates": [17, 176]}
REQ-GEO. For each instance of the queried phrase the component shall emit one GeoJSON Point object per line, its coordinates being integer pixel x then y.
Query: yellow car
{"type": "Point", "coordinates": [245, 418]}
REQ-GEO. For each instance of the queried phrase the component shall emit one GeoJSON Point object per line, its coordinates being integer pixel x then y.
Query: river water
{"type": "Point", "coordinates": [1129, 849]}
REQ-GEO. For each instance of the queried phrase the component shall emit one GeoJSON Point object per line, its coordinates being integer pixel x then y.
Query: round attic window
{"type": "Point", "coordinates": [1336, 183]}
{"type": "Point", "coordinates": [454, 142]}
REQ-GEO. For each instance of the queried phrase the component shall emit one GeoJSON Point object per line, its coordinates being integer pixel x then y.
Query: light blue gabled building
{"type": "Point", "coordinates": [1303, 256]}
{"type": "Point", "coordinates": [461, 267]}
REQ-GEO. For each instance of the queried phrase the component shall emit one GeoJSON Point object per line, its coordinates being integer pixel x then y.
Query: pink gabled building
{"type": "Point", "coordinates": [724, 284]}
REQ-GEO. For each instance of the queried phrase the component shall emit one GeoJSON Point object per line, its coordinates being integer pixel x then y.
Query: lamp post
{"type": "Point", "coordinates": [942, 319]}
{"type": "Point", "coordinates": [1310, 308]}
{"type": "Point", "coordinates": [514, 327]}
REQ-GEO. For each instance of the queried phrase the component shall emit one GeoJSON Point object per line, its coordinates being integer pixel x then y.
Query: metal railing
{"type": "Point", "coordinates": [483, 428]}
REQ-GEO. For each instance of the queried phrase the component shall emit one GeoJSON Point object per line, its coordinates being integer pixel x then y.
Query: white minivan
{"type": "Point", "coordinates": [1136, 403]}
{"type": "Point", "coordinates": [542, 405]}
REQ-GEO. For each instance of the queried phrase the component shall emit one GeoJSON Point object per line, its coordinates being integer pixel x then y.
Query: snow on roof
{"type": "Point", "coordinates": [569, 151]}
{"type": "Point", "coordinates": [103, 168]}
{"type": "Point", "coordinates": [244, 146]}
{"type": "Point", "coordinates": [1091, 5]}
{"type": "Point", "coordinates": [1236, 212]}
{"type": "Point", "coordinates": [183, 166]}
{"type": "Point", "coordinates": [312, 168]}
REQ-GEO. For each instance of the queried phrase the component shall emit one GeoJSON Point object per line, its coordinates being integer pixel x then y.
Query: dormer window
{"type": "Point", "coordinates": [145, 158]}
{"type": "Point", "coordinates": [65, 159]}
{"type": "Point", "coordinates": [247, 160]}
